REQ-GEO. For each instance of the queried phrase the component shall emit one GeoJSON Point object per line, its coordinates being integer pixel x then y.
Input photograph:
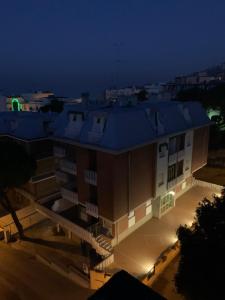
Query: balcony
{"type": "Point", "coordinates": [180, 155]}
{"type": "Point", "coordinates": [61, 176]}
{"type": "Point", "coordinates": [69, 195]}
{"type": "Point", "coordinates": [68, 166]}
{"type": "Point", "coordinates": [92, 209]}
{"type": "Point", "coordinates": [43, 176]}
{"type": "Point", "coordinates": [90, 177]}
{"type": "Point", "coordinates": [172, 159]}
{"type": "Point", "coordinates": [172, 183]}
{"type": "Point", "coordinates": [59, 152]}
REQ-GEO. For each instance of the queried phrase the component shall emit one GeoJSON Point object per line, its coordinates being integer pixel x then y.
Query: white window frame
{"type": "Point", "coordinates": [148, 208]}
{"type": "Point", "coordinates": [131, 218]}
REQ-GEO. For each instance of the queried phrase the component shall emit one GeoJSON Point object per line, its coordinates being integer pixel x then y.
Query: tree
{"type": "Point", "coordinates": [16, 168]}
{"type": "Point", "coordinates": [54, 106]}
{"type": "Point", "coordinates": [142, 95]}
{"type": "Point", "coordinates": [201, 270]}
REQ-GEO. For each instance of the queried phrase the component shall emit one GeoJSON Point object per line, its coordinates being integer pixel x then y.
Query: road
{"type": "Point", "coordinates": [24, 278]}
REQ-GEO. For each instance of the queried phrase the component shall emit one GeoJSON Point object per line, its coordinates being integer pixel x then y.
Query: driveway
{"type": "Point", "coordinates": [139, 251]}
{"type": "Point", "coordinates": [24, 278]}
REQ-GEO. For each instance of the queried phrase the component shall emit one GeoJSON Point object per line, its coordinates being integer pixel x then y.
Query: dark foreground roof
{"type": "Point", "coordinates": [124, 286]}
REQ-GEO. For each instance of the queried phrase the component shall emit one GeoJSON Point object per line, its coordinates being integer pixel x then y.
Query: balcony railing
{"type": "Point", "coordinates": [59, 152]}
{"type": "Point", "coordinates": [61, 176]}
{"type": "Point", "coordinates": [172, 159]}
{"type": "Point", "coordinates": [171, 183]}
{"type": "Point", "coordinates": [180, 155]}
{"type": "Point", "coordinates": [69, 195]}
{"type": "Point", "coordinates": [43, 176]}
{"type": "Point", "coordinates": [92, 209]}
{"type": "Point", "coordinates": [68, 166]}
{"type": "Point", "coordinates": [90, 177]}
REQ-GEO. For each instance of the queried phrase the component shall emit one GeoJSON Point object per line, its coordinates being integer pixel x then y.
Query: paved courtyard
{"type": "Point", "coordinates": [139, 251]}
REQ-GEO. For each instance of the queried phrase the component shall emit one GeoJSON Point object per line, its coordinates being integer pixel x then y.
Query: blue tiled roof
{"type": "Point", "coordinates": [25, 125]}
{"type": "Point", "coordinates": [130, 125]}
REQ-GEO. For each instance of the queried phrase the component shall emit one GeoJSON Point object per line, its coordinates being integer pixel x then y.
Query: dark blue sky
{"type": "Point", "coordinates": [71, 46]}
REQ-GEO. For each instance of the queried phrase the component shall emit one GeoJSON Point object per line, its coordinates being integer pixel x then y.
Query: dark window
{"type": "Point", "coordinates": [180, 165]}
{"type": "Point", "coordinates": [92, 160]}
{"type": "Point", "coordinates": [93, 194]}
{"type": "Point", "coordinates": [162, 150]}
{"type": "Point", "coordinates": [171, 172]}
{"type": "Point", "coordinates": [70, 152]}
{"type": "Point", "coordinates": [180, 142]}
{"type": "Point", "coordinates": [172, 146]}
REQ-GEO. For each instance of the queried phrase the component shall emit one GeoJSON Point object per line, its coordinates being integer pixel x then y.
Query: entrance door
{"type": "Point", "coordinates": [166, 203]}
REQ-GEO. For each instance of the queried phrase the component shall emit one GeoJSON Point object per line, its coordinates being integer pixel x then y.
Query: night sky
{"type": "Point", "coordinates": [72, 46]}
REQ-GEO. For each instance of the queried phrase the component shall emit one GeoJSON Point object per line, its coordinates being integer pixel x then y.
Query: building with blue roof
{"type": "Point", "coordinates": [116, 164]}
{"type": "Point", "coordinates": [121, 163]}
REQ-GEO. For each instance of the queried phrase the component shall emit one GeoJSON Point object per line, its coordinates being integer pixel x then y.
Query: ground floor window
{"type": "Point", "coordinates": [166, 203]}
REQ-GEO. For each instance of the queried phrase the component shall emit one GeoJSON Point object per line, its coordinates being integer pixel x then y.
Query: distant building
{"type": "Point", "coordinates": [32, 102]}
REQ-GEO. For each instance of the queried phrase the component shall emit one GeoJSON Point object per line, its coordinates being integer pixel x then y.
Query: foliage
{"type": "Point", "coordinates": [55, 105]}
{"type": "Point", "coordinates": [210, 98]}
{"type": "Point", "coordinates": [201, 270]}
{"type": "Point", "coordinates": [142, 95]}
{"type": "Point", "coordinates": [16, 168]}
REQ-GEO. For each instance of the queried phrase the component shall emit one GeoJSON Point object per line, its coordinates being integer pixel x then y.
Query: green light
{"type": "Point", "coordinates": [16, 105]}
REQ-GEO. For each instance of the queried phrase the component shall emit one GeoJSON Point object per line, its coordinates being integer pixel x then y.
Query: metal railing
{"type": "Point", "coordinates": [70, 195]}
{"type": "Point", "coordinates": [68, 166]}
{"type": "Point", "coordinates": [90, 177]}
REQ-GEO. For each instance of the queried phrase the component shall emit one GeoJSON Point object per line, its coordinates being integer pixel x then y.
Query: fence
{"type": "Point", "coordinates": [105, 263]}
{"type": "Point", "coordinates": [163, 261]}
{"type": "Point", "coordinates": [28, 216]}
{"type": "Point", "coordinates": [210, 185]}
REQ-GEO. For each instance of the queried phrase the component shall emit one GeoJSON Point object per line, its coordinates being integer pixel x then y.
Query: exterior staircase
{"type": "Point", "coordinates": [104, 242]}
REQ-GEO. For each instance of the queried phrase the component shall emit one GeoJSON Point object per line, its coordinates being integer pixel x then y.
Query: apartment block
{"type": "Point", "coordinates": [119, 165]}
{"type": "Point", "coordinates": [31, 130]}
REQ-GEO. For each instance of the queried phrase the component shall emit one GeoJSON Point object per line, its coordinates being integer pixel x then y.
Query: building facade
{"type": "Point", "coordinates": [119, 166]}
{"type": "Point", "coordinates": [31, 132]}
{"type": "Point", "coordinates": [114, 166]}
